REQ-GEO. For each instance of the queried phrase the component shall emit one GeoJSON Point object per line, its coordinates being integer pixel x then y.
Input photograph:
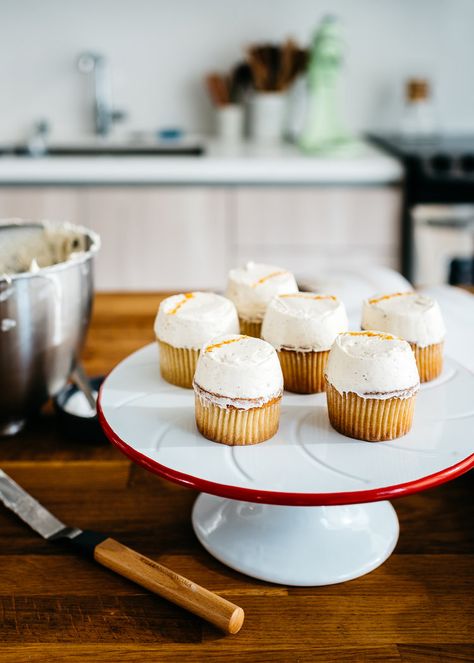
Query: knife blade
{"type": "Point", "coordinates": [31, 511]}
{"type": "Point", "coordinates": [123, 560]}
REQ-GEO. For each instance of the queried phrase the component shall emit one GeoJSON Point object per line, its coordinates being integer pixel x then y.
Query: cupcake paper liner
{"type": "Point", "coordinates": [370, 419]}
{"type": "Point", "coordinates": [237, 427]}
{"type": "Point", "coordinates": [429, 360]}
{"type": "Point", "coordinates": [250, 328]}
{"type": "Point", "coordinates": [303, 372]}
{"type": "Point", "coordinates": [178, 365]}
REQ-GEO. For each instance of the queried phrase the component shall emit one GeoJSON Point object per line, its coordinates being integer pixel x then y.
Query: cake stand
{"type": "Point", "coordinates": [308, 507]}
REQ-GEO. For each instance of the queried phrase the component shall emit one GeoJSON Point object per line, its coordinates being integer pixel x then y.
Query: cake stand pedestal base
{"type": "Point", "coordinates": [300, 546]}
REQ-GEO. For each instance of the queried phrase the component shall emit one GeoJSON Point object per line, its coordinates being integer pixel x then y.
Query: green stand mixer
{"type": "Point", "coordinates": [324, 130]}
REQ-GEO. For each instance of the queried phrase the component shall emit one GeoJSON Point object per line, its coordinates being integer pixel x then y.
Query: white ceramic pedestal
{"type": "Point", "coordinates": [307, 507]}
{"type": "Point", "coordinates": [302, 546]}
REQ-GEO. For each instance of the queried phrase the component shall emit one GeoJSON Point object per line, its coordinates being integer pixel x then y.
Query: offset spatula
{"type": "Point", "coordinates": [125, 561]}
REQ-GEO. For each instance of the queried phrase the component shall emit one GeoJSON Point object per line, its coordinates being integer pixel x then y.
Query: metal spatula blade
{"type": "Point", "coordinates": [31, 511]}
{"type": "Point", "coordinates": [124, 561]}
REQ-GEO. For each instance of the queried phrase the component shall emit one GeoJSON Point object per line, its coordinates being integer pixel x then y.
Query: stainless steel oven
{"type": "Point", "coordinates": [437, 242]}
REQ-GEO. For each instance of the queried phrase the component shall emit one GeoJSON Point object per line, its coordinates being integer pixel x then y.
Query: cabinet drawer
{"type": "Point", "coordinates": [159, 238]}
{"type": "Point", "coordinates": [307, 261]}
{"type": "Point", "coordinates": [38, 203]}
{"type": "Point", "coordinates": [329, 216]}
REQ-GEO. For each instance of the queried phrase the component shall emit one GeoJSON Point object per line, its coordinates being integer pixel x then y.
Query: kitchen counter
{"type": "Point", "coordinates": [242, 164]}
{"type": "Point", "coordinates": [418, 606]}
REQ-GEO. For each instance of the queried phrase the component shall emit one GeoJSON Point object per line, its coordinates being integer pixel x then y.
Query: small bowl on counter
{"type": "Point", "coordinates": [76, 417]}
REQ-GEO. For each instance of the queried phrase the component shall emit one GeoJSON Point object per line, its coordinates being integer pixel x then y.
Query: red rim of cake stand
{"type": "Point", "coordinates": [276, 497]}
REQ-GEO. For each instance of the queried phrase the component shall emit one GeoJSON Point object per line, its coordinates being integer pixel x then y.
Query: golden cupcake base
{"type": "Point", "coordinates": [370, 419]}
{"type": "Point", "coordinates": [303, 372]}
{"type": "Point", "coordinates": [429, 360]}
{"type": "Point", "coordinates": [177, 365]}
{"type": "Point", "coordinates": [250, 328]}
{"type": "Point", "coordinates": [234, 427]}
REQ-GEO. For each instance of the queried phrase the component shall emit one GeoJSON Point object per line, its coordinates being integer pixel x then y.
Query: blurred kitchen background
{"type": "Point", "coordinates": [170, 130]}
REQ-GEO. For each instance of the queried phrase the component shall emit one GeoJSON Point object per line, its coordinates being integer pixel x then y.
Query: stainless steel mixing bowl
{"type": "Point", "coordinates": [44, 316]}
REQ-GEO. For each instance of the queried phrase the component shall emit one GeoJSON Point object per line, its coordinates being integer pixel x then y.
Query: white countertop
{"type": "Point", "coordinates": [241, 164]}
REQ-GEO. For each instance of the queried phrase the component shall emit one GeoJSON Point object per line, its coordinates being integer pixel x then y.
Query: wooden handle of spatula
{"type": "Point", "coordinates": [170, 585]}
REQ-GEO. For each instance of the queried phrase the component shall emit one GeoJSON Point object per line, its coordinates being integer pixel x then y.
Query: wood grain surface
{"type": "Point", "coordinates": [55, 606]}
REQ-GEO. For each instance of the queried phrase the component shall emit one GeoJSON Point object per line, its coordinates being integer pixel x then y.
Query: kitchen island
{"type": "Point", "coordinates": [183, 222]}
{"type": "Point", "coordinates": [417, 607]}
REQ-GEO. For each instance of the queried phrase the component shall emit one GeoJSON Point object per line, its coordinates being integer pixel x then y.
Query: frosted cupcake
{"type": "Point", "coordinates": [414, 317]}
{"type": "Point", "coordinates": [183, 324]}
{"type": "Point", "coordinates": [252, 288]}
{"type": "Point", "coordinates": [302, 328]}
{"type": "Point", "coordinates": [371, 385]}
{"type": "Point", "coordinates": [238, 387]}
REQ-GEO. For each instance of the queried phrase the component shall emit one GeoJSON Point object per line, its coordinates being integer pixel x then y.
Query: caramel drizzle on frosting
{"type": "Point", "coordinates": [214, 346]}
{"type": "Point", "coordinates": [386, 337]}
{"type": "Point", "coordinates": [376, 300]}
{"type": "Point", "coordinates": [302, 295]}
{"type": "Point", "coordinates": [269, 276]}
{"type": "Point", "coordinates": [186, 297]}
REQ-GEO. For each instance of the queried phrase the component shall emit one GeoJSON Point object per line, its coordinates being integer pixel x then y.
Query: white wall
{"type": "Point", "coordinates": [160, 50]}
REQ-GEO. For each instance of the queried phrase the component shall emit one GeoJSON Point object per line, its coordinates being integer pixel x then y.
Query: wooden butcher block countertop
{"type": "Point", "coordinates": [55, 606]}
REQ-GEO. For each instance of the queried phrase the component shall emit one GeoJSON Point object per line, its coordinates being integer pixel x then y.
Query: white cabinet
{"type": "Point", "coordinates": [41, 202]}
{"type": "Point", "coordinates": [187, 237]}
{"type": "Point", "coordinates": [159, 238]}
{"type": "Point", "coordinates": [310, 228]}
{"type": "Point", "coordinates": [153, 238]}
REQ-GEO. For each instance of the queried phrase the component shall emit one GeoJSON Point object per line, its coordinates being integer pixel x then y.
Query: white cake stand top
{"type": "Point", "coordinates": [307, 463]}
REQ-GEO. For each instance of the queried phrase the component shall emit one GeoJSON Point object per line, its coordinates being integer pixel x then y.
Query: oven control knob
{"type": "Point", "coordinates": [441, 163]}
{"type": "Point", "coordinates": [467, 163]}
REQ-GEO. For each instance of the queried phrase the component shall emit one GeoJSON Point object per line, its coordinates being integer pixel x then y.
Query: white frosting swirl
{"type": "Point", "coordinates": [252, 288]}
{"type": "Point", "coordinates": [189, 320]}
{"type": "Point", "coordinates": [238, 367]}
{"type": "Point", "coordinates": [410, 315]}
{"type": "Point", "coordinates": [372, 365]}
{"type": "Point", "coordinates": [304, 321]}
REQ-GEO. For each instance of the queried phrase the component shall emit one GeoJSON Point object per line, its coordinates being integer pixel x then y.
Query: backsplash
{"type": "Point", "coordinates": [160, 50]}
